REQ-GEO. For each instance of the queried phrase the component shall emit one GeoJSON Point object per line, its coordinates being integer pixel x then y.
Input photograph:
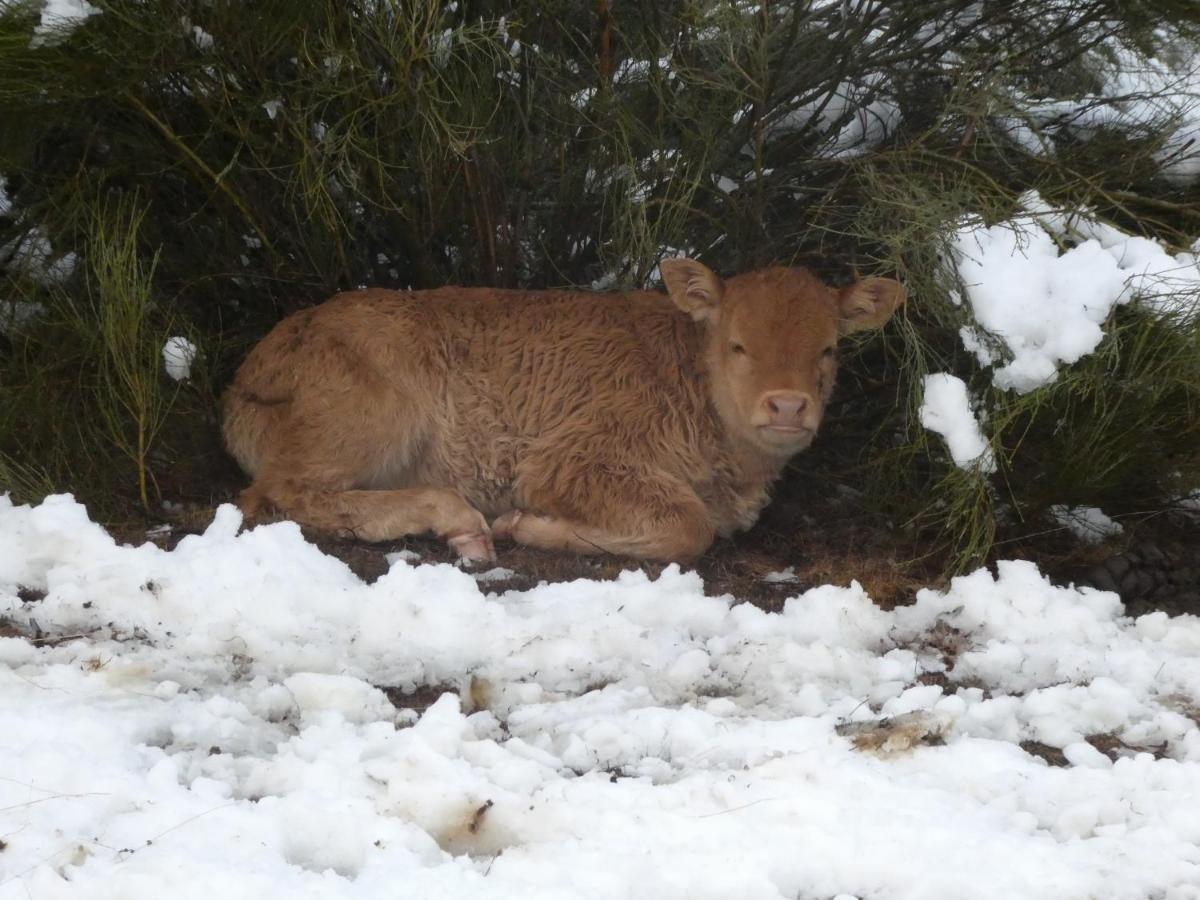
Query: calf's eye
{"type": "Point", "coordinates": [829, 352]}
{"type": "Point", "coordinates": [737, 348]}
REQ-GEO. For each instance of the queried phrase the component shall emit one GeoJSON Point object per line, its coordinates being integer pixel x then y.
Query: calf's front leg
{"type": "Point", "coordinates": [678, 536]}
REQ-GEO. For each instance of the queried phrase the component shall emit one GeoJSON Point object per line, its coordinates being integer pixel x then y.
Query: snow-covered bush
{"type": "Point", "coordinates": [277, 154]}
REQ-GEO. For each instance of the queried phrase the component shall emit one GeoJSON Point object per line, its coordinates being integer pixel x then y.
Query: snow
{"type": "Point", "coordinates": [783, 576]}
{"type": "Point", "coordinates": [854, 117]}
{"type": "Point", "coordinates": [1042, 284]}
{"type": "Point", "coordinates": [225, 716]}
{"type": "Point", "coordinates": [946, 410]}
{"type": "Point", "coordinates": [1089, 524]}
{"type": "Point", "coordinates": [1144, 95]}
{"type": "Point", "coordinates": [178, 354]}
{"type": "Point", "coordinates": [499, 573]}
{"type": "Point", "coordinates": [32, 254]}
{"type": "Point", "coordinates": [58, 18]}
{"type": "Point", "coordinates": [201, 38]}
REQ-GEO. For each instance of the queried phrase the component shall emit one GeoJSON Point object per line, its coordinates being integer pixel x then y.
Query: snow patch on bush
{"type": "Point", "coordinates": [58, 18]}
{"type": "Point", "coordinates": [946, 409]}
{"type": "Point", "coordinates": [1089, 524]}
{"type": "Point", "coordinates": [178, 354]}
{"type": "Point", "coordinates": [32, 255]}
{"type": "Point", "coordinates": [1146, 96]}
{"type": "Point", "coordinates": [1041, 285]}
{"type": "Point", "coordinates": [855, 117]}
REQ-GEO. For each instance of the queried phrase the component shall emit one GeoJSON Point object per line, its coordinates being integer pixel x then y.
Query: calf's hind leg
{"type": "Point", "coordinates": [377, 515]}
{"type": "Point", "coordinates": [313, 448]}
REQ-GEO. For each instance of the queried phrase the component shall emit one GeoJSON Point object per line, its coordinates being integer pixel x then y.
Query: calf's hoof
{"type": "Point", "coordinates": [505, 526]}
{"type": "Point", "coordinates": [473, 547]}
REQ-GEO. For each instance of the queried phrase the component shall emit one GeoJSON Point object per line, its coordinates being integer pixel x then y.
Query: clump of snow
{"type": "Point", "coordinates": [401, 555]}
{"type": "Point", "coordinates": [784, 576]}
{"type": "Point", "coordinates": [178, 354]}
{"type": "Point", "coordinates": [201, 38]}
{"type": "Point", "coordinates": [58, 18]}
{"type": "Point", "coordinates": [946, 409]}
{"type": "Point", "coordinates": [499, 573]}
{"type": "Point", "coordinates": [229, 713]}
{"type": "Point", "coordinates": [32, 255]}
{"type": "Point", "coordinates": [1044, 304]}
{"type": "Point", "coordinates": [1155, 278]}
{"type": "Point", "coordinates": [1089, 524]}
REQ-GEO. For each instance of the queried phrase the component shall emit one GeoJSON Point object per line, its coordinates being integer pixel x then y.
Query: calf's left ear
{"type": "Point", "coordinates": [869, 302]}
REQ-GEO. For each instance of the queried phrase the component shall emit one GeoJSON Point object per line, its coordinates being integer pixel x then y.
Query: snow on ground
{"type": "Point", "coordinates": [214, 719]}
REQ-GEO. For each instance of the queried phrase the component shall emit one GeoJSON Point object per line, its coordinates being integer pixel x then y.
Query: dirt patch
{"type": "Point", "coordinates": [1109, 744]}
{"type": "Point", "coordinates": [1052, 755]}
{"type": "Point", "coordinates": [818, 530]}
{"type": "Point", "coordinates": [419, 698]}
{"type": "Point", "coordinates": [1115, 748]}
{"type": "Point", "coordinates": [812, 534]}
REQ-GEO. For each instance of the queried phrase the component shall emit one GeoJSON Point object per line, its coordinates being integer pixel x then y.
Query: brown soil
{"type": "Point", "coordinates": [824, 530]}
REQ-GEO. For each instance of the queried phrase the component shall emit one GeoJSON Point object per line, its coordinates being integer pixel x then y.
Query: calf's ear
{"type": "Point", "coordinates": [692, 286]}
{"type": "Point", "coordinates": [869, 302]}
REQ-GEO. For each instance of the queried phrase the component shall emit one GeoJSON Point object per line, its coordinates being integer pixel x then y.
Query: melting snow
{"type": "Point", "coordinates": [224, 716]}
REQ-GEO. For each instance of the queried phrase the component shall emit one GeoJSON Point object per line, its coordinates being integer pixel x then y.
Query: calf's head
{"type": "Point", "coordinates": [770, 343]}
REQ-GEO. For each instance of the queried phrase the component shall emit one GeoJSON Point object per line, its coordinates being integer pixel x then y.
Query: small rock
{"type": "Point", "coordinates": [1129, 584]}
{"type": "Point", "coordinates": [1118, 566]}
{"type": "Point", "coordinates": [1146, 582]}
{"type": "Point", "coordinates": [1188, 600]}
{"type": "Point", "coordinates": [1101, 579]}
{"type": "Point", "coordinates": [1152, 554]}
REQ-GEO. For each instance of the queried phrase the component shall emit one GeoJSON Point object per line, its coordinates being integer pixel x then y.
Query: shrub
{"type": "Point", "coordinates": [260, 156]}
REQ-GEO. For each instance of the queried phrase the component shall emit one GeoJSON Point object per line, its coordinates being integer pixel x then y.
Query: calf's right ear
{"type": "Point", "coordinates": [692, 286]}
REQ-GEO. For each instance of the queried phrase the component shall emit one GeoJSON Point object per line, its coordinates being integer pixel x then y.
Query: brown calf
{"type": "Point", "coordinates": [588, 422]}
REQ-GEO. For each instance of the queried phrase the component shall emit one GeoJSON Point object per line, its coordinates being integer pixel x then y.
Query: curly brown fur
{"type": "Point", "coordinates": [619, 423]}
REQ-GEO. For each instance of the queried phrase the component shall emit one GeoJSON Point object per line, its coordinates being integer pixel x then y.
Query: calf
{"type": "Point", "coordinates": [617, 423]}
